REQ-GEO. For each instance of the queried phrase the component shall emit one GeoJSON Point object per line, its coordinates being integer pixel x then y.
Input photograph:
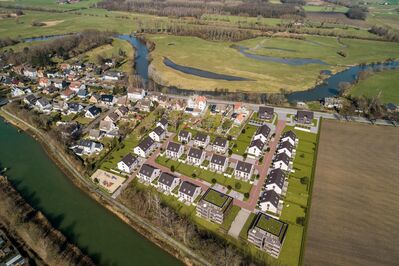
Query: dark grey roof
{"type": "Point", "coordinates": [244, 167]}
{"type": "Point", "coordinates": [187, 188]}
{"type": "Point", "coordinates": [265, 111]}
{"type": "Point", "coordinates": [85, 143]}
{"type": "Point", "coordinates": [282, 157]}
{"type": "Point", "coordinates": [31, 98]}
{"type": "Point", "coordinates": [43, 101]}
{"type": "Point", "coordinates": [173, 146]}
{"type": "Point", "coordinates": [166, 179]}
{"type": "Point", "coordinates": [147, 170]}
{"type": "Point", "coordinates": [114, 116]}
{"type": "Point", "coordinates": [200, 137]}
{"type": "Point", "coordinates": [220, 142]}
{"type": "Point", "coordinates": [163, 121]}
{"type": "Point", "coordinates": [218, 159]}
{"type": "Point", "coordinates": [123, 109]}
{"type": "Point", "coordinates": [195, 153]}
{"type": "Point", "coordinates": [258, 143]}
{"type": "Point", "coordinates": [291, 134]}
{"type": "Point", "coordinates": [286, 144]}
{"type": "Point", "coordinates": [129, 159]}
{"type": "Point", "coordinates": [159, 130]}
{"type": "Point", "coordinates": [301, 114]}
{"type": "Point", "coordinates": [94, 110]}
{"type": "Point", "coordinates": [107, 98]}
{"type": "Point", "coordinates": [183, 133]}
{"type": "Point", "coordinates": [270, 196]}
{"type": "Point", "coordinates": [264, 130]}
{"type": "Point", "coordinates": [74, 106]}
{"type": "Point", "coordinates": [276, 176]}
{"type": "Point", "coordinates": [146, 144]}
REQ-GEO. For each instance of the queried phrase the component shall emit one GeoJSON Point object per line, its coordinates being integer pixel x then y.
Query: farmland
{"type": "Point", "coordinates": [353, 217]}
{"type": "Point", "coordinates": [383, 85]}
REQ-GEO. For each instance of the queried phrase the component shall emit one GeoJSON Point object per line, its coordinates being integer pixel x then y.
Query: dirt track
{"type": "Point", "coordinates": [354, 217]}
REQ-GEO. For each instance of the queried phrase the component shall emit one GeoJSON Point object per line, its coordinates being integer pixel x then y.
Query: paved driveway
{"type": "Point", "coordinates": [239, 223]}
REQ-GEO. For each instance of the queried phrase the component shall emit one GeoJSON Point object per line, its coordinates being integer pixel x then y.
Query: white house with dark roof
{"type": "Point", "coordinates": [43, 105]}
{"type": "Point", "coordinates": [195, 156]}
{"type": "Point", "coordinates": [107, 99]}
{"type": "Point", "coordinates": [92, 112]}
{"type": "Point", "coordinates": [220, 145]}
{"type": "Point", "coordinates": [289, 136]}
{"type": "Point", "coordinates": [243, 170]}
{"type": "Point", "coordinates": [282, 161]}
{"type": "Point", "coordinates": [112, 117]}
{"type": "Point", "coordinates": [30, 100]}
{"type": "Point", "coordinates": [275, 180]}
{"type": "Point", "coordinates": [109, 129]}
{"type": "Point", "coordinates": [128, 163]}
{"type": "Point", "coordinates": [218, 163]}
{"type": "Point", "coordinates": [74, 108]}
{"type": "Point", "coordinates": [286, 147]}
{"type": "Point", "coordinates": [174, 150]}
{"type": "Point", "coordinates": [148, 173]}
{"type": "Point", "coordinates": [168, 182]}
{"type": "Point", "coordinates": [158, 134]}
{"type": "Point", "coordinates": [145, 147]}
{"type": "Point", "coordinates": [304, 117]}
{"type": "Point", "coordinates": [262, 133]}
{"type": "Point", "coordinates": [269, 200]}
{"type": "Point", "coordinates": [163, 123]}
{"type": "Point", "coordinates": [135, 94]}
{"type": "Point", "coordinates": [255, 149]}
{"type": "Point", "coordinates": [201, 140]}
{"type": "Point", "coordinates": [189, 191]}
{"type": "Point", "coordinates": [122, 111]}
{"type": "Point", "coordinates": [265, 112]}
{"type": "Point", "coordinates": [184, 136]}
{"type": "Point", "coordinates": [87, 147]}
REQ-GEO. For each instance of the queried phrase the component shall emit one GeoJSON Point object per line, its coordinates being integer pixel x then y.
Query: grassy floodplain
{"type": "Point", "coordinates": [383, 84]}
{"type": "Point", "coordinates": [220, 58]}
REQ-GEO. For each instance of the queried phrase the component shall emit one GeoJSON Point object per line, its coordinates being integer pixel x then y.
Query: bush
{"type": "Point", "coordinates": [229, 187]}
{"type": "Point", "coordinates": [237, 185]}
{"type": "Point", "coordinates": [243, 131]}
{"type": "Point", "coordinates": [246, 195]}
{"type": "Point", "coordinates": [213, 181]}
{"type": "Point", "coordinates": [194, 175]}
{"type": "Point", "coordinates": [300, 220]}
{"type": "Point", "coordinates": [230, 151]}
{"type": "Point", "coordinates": [304, 180]}
{"type": "Point", "coordinates": [172, 168]}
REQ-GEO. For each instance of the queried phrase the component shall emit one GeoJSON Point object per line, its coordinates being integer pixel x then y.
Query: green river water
{"type": "Point", "coordinates": [94, 229]}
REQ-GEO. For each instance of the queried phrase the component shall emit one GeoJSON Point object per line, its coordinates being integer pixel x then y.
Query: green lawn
{"type": "Point", "coordinates": [228, 220]}
{"type": "Point", "coordinates": [189, 170]}
{"type": "Point", "coordinates": [243, 140]}
{"type": "Point", "coordinates": [340, 9]}
{"type": "Point", "coordinates": [383, 84]}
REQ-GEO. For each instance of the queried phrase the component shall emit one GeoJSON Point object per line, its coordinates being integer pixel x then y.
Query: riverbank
{"type": "Point", "coordinates": [132, 219]}
{"type": "Point", "coordinates": [32, 230]}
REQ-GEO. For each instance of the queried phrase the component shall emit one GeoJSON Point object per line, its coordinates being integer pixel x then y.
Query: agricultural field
{"type": "Point", "coordinates": [265, 76]}
{"type": "Point", "coordinates": [383, 85]}
{"type": "Point", "coordinates": [353, 216]}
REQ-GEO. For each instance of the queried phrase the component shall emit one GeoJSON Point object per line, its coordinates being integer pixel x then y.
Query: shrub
{"type": "Point", "coordinates": [229, 187]}
{"type": "Point", "coordinates": [237, 185]}
{"type": "Point", "coordinates": [172, 168]}
{"type": "Point", "coordinates": [300, 220]}
{"type": "Point", "coordinates": [213, 181]}
{"type": "Point", "coordinates": [194, 175]}
{"type": "Point", "coordinates": [246, 195]}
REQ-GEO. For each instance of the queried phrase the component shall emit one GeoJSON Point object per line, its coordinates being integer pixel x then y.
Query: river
{"type": "Point", "coordinates": [99, 233]}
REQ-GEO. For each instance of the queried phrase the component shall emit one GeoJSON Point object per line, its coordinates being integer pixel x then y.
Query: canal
{"type": "Point", "coordinates": [99, 233]}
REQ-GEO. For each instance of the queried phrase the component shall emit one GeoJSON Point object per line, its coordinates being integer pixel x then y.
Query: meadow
{"type": "Point", "coordinates": [383, 85]}
{"type": "Point", "coordinates": [353, 217]}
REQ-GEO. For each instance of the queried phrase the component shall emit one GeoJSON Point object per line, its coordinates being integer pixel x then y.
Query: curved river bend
{"type": "Point", "coordinates": [99, 233]}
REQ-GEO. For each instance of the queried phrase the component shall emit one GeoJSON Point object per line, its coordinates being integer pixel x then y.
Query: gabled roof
{"type": "Point", "coordinates": [183, 133]}
{"type": "Point", "coordinates": [302, 114]}
{"type": "Point", "coordinates": [94, 110]}
{"type": "Point", "coordinates": [159, 130]}
{"type": "Point", "coordinates": [173, 146]}
{"type": "Point", "coordinates": [147, 170]}
{"type": "Point", "coordinates": [31, 98]}
{"type": "Point", "coordinates": [291, 134]}
{"type": "Point", "coordinates": [264, 130]}
{"type": "Point", "coordinates": [244, 167]}
{"type": "Point", "coordinates": [257, 143]}
{"type": "Point", "coordinates": [220, 142]}
{"type": "Point", "coordinates": [276, 176]}
{"type": "Point", "coordinates": [107, 98]}
{"type": "Point", "coordinates": [43, 102]}
{"type": "Point", "coordinates": [287, 145]}
{"type": "Point", "coordinates": [146, 143]}
{"type": "Point", "coordinates": [195, 153]}
{"type": "Point", "coordinates": [270, 196]}
{"type": "Point", "coordinates": [188, 188]}
{"type": "Point", "coordinates": [167, 179]}
{"type": "Point", "coordinates": [129, 159]}
{"type": "Point", "coordinates": [200, 137]}
{"type": "Point", "coordinates": [218, 159]}
{"type": "Point", "coordinates": [163, 121]}
{"type": "Point", "coordinates": [123, 110]}
{"type": "Point", "coordinates": [265, 110]}
{"type": "Point", "coordinates": [113, 116]}
{"type": "Point", "coordinates": [282, 157]}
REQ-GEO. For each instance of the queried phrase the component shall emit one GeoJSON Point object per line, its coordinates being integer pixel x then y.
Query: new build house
{"type": "Point", "coordinates": [195, 156]}
{"type": "Point", "coordinates": [304, 117]}
{"type": "Point", "coordinates": [145, 147]}
{"type": "Point", "coordinates": [184, 136]}
{"type": "Point", "coordinates": [243, 170]}
{"type": "Point", "coordinates": [128, 163]}
{"type": "Point", "coordinates": [214, 206]}
{"type": "Point", "coordinates": [255, 149]}
{"type": "Point", "coordinates": [148, 173]}
{"type": "Point", "coordinates": [158, 134]}
{"type": "Point", "coordinates": [265, 112]}
{"type": "Point", "coordinates": [163, 123]}
{"type": "Point", "coordinates": [220, 145]}
{"type": "Point", "coordinates": [289, 136]}
{"type": "Point", "coordinates": [92, 112]}
{"type": "Point", "coordinates": [262, 133]}
{"type": "Point", "coordinates": [168, 182]}
{"type": "Point", "coordinates": [268, 234]}
{"type": "Point", "coordinates": [282, 161]}
{"type": "Point", "coordinates": [287, 148]}
{"type": "Point", "coordinates": [189, 191]}
{"type": "Point", "coordinates": [201, 140]}
{"type": "Point", "coordinates": [218, 163]}
{"type": "Point", "coordinates": [275, 180]}
{"type": "Point", "coordinates": [87, 147]}
{"type": "Point", "coordinates": [269, 200]}
{"type": "Point", "coordinates": [174, 150]}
